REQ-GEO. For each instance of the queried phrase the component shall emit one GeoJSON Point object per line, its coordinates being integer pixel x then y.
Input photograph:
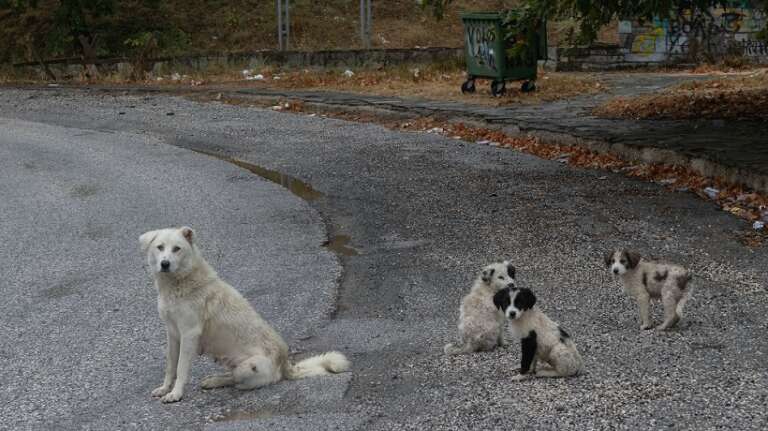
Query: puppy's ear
{"type": "Point", "coordinates": [510, 269]}
{"type": "Point", "coordinates": [488, 275]}
{"type": "Point", "coordinates": [145, 240]}
{"type": "Point", "coordinates": [501, 299]}
{"type": "Point", "coordinates": [608, 257]}
{"type": "Point", "coordinates": [633, 259]}
{"type": "Point", "coordinates": [525, 299]}
{"type": "Point", "coordinates": [187, 233]}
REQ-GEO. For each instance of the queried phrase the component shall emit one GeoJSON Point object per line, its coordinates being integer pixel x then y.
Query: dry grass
{"type": "Point", "coordinates": [436, 83]}
{"type": "Point", "coordinates": [730, 96]}
{"type": "Point", "coordinates": [431, 82]}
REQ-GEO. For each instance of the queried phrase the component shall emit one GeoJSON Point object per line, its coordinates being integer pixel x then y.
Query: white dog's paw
{"type": "Point", "coordinates": [172, 397]}
{"type": "Point", "coordinates": [646, 326]}
{"type": "Point", "coordinates": [162, 390]}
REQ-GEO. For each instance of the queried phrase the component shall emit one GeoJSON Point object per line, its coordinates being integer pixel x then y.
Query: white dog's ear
{"type": "Point", "coordinates": [146, 239]}
{"type": "Point", "coordinates": [187, 233]}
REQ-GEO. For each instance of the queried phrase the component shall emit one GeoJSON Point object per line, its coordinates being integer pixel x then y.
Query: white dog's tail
{"type": "Point", "coordinates": [320, 365]}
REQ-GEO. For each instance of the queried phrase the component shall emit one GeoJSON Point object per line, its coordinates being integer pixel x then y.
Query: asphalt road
{"type": "Point", "coordinates": [85, 172]}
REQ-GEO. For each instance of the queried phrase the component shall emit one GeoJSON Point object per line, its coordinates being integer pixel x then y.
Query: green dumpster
{"type": "Point", "coordinates": [486, 52]}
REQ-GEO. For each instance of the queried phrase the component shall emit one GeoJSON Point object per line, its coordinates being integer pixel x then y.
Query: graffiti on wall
{"type": "Point", "coordinates": [722, 29]}
{"type": "Point", "coordinates": [481, 37]}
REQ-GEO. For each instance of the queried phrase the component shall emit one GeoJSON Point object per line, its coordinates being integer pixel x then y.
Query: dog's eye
{"type": "Point", "coordinates": [501, 277]}
{"type": "Point", "coordinates": [176, 249]}
{"type": "Point", "coordinates": [160, 247]}
{"type": "Point", "coordinates": [623, 261]}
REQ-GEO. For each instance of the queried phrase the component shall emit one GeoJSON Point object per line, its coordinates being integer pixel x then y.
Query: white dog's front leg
{"type": "Point", "coordinates": [171, 359]}
{"type": "Point", "coordinates": [644, 302]}
{"type": "Point", "coordinates": [187, 351]}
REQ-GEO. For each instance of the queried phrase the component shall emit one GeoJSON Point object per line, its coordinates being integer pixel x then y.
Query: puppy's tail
{"type": "Point", "coordinates": [452, 349]}
{"type": "Point", "coordinates": [320, 365]}
{"type": "Point", "coordinates": [683, 282]}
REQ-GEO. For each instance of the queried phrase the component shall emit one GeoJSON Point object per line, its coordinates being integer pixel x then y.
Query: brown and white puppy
{"type": "Point", "coordinates": [541, 339]}
{"type": "Point", "coordinates": [645, 279]}
{"type": "Point", "coordinates": [481, 325]}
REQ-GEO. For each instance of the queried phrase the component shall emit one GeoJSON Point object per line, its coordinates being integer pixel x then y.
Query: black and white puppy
{"type": "Point", "coordinates": [645, 279]}
{"type": "Point", "coordinates": [541, 338]}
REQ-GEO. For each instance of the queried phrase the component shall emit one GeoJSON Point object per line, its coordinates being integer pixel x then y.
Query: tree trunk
{"type": "Point", "coordinates": [89, 56]}
{"type": "Point", "coordinates": [43, 65]}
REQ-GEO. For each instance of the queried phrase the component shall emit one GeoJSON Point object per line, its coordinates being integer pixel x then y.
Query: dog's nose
{"type": "Point", "coordinates": [615, 270]}
{"type": "Point", "coordinates": [511, 314]}
{"type": "Point", "coordinates": [164, 265]}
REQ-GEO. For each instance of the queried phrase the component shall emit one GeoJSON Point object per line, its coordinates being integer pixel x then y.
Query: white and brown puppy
{"type": "Point", "coordinates": [205, 315]}
{"type": "Point", "coordinates": [541, 339]}
{"type": "Point", "coordinates": [481, 325]}
{"type": "Point", "coordinates": [646, 279]}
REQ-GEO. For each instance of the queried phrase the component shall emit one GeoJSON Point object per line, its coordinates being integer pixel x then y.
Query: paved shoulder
{"type": "Point", "coordinates": [81, 345]}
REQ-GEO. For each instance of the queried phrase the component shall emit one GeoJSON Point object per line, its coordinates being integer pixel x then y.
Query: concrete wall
{"type": "Point", "coordinates": [68, 68]}
{"type": "Point", "coordinates": [692, 34]}
{"type": "Point", "coordinates": [689, 36]}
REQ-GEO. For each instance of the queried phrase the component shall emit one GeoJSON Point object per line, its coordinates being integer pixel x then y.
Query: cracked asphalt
{"type": "Point", "coordinates": [85, 172]}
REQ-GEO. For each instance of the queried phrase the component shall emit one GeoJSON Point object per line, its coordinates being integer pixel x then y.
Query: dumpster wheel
{"type": "Point", "coordinates": [498, 88]}
{"type": "Point", "coordinates": [528, 86]}
{"type": "Point", "coordinates": [468, 86]}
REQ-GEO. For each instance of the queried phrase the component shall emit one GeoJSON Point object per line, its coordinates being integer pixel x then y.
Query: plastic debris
{"type": "Point", "coordinates": [176, 77]}
{"type": "Point", "coordinates": [258, 77]}
{"type": "Point", "coordinates": [247, 72]}
{"type": "Point", "coordinates": [484, 142]}
{"type": "Point", "coordinates": [711, 192]}
{"type": "Point", "coordinates": [436, 130]}
{"type": "Point", "coordinates": [668, 181]}
{"type": "Point", "coordinates": [758, 225]}
{"type": "Point", "coordinates": [348, 73]}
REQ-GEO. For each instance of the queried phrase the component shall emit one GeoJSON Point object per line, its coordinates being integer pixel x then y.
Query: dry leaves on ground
{"type": "Point", "coordinates": [732, 97]}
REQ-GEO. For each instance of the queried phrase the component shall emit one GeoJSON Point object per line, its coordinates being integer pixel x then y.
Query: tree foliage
{"type": "Point", "coordinates": [36, 29]}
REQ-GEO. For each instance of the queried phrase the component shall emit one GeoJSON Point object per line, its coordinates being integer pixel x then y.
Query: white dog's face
{"type": "Point", "coordinates": [621, 261]}
{"type": "Point", "coordinates": [513, 301]}
{"type": "Point", "coordinates": [498, 275]}
{"type": "Point", "coordinates": [169, 250]}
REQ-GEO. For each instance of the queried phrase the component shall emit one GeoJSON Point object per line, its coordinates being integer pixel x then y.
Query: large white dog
{"type": "Point", "coordinates": [205, 315]}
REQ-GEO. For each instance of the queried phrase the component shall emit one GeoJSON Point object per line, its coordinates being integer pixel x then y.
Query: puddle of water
{"type": "Point", "coordinates": [293, 185]}
{"type": "Point", "coordinates": [339, 245]}
{"type": "Point", "coordinates": [242, 415]}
